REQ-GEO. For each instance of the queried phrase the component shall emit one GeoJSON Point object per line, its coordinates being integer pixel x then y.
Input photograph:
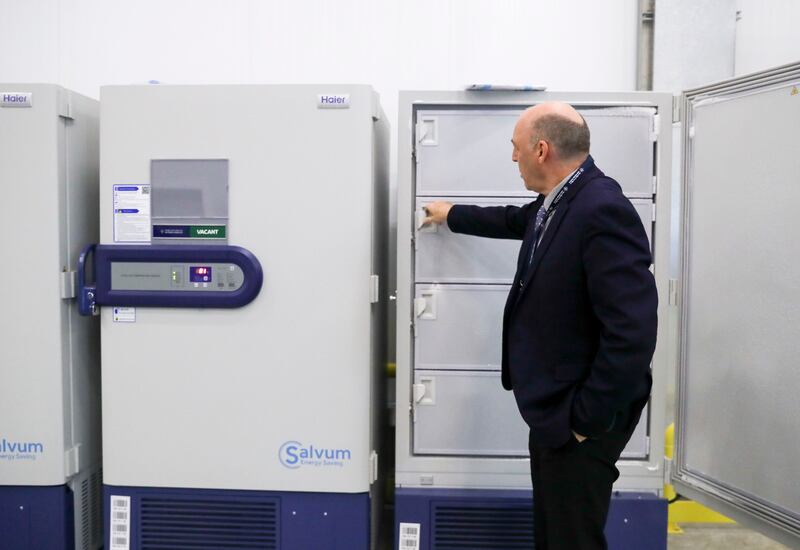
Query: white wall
{"type": "Point", "coordinates": [766, 34]}
{"type": "Point", "coordinates": [694, 43]}
{"type": "Point", "coordinates": [392, 44]}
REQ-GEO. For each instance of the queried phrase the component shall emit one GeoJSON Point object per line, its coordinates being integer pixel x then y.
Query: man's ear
{"type": "Point", "coordinates": [544, 151]}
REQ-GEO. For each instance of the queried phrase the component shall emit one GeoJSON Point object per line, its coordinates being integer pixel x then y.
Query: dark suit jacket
{"type": "Point", "coordinates": [579, 328]}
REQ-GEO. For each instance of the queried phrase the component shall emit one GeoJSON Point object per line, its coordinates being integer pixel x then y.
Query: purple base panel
{"type": "Point", "coordinates": [36, 518]}
{"type": "Point", "coordinates": [209, 519]}
{"type": "Point", "coordinates": [446, 519]}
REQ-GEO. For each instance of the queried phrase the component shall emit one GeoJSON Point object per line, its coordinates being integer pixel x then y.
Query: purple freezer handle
{"type": "Point", "coordinates": [86, 292]}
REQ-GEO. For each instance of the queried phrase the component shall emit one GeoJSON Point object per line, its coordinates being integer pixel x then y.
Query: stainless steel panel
{"type": "Point", "coordinates": [446, 257]}
{"type": "Point", "coordinates": [469, 414]}
{"type": "Point", "coordinates": [468, 152]}
{"type": "Point", "coordinates": [459, 327]}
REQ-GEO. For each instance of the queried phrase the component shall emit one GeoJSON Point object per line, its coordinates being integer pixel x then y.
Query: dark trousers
{"type": "Point", "coordinates": [572, 491]}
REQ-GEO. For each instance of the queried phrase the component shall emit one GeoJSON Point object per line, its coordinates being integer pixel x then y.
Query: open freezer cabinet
{"type": "Point", "coordinates": [738, 410]}
{"type": "Point", "coordinates": [456, 427]}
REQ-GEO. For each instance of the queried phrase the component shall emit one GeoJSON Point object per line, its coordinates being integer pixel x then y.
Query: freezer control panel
{"type": "Point", "coordinates": [172, 276]}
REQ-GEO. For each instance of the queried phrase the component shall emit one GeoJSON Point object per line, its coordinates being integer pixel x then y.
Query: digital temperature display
{"type": "Point", "coordinates": [199, 274]}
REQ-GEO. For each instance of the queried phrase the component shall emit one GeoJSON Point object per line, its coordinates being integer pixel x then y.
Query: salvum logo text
{"type": "Point", "coordinates": [294, 454]}
{"type": "Point", "coordinates": [19, 450]}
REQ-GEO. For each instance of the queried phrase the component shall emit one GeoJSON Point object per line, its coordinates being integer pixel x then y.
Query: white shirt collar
{"type": "Point", "coordinates": [548, 200]}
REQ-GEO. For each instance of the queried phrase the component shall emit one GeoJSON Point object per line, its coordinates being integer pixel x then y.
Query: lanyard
{"type": "Point", "coordinates": [539, 229]}
{"type": "Point", "coordinates": [559, 196]}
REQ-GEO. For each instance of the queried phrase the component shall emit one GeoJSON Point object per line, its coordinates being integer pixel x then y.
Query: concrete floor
{"type": "Point", "coordinates": [720, 537]}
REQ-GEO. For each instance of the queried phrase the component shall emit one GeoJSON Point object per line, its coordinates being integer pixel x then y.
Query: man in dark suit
{"type": "Point", "coordinates": [579, 328]}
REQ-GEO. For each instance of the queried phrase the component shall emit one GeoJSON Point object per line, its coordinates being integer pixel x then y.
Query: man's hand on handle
{"type": "Point", "coordinates": [436, 212]}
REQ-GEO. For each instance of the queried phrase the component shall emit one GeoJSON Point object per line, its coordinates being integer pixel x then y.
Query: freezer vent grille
{"type": "Point", "coordinates": [495, 525]}
{"type": "Point", "coordinates": [97, 508]}
{"type": "Point", "coordinates": [176, 522]}
{"type": "Point", "coordinates": [86, 517]}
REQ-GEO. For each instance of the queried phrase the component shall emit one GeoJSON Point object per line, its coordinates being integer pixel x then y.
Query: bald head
{"type": "Point", "coordinates": [561, 126]}
{"type": "Point", "coordinates": [550, 141]}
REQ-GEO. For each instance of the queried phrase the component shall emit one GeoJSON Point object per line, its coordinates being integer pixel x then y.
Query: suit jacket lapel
{"type": "Point", "coordinates": [590, 171]}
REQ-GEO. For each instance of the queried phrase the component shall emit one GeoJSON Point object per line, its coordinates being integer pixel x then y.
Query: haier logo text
{"type": "Point", "coordinates": [12, 99]}
{"type": "Point", "coordinates": [333, 101]}
{"type": "Point", "coordinates": [294, 454]}
{"type": "Point", "coordinates": [20, 450]}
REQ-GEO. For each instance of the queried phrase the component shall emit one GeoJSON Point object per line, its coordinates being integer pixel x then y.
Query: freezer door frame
{"type": "Point", "coordinates": [487, 472]}
{"type": "Point", "coordinates": [746, 508]}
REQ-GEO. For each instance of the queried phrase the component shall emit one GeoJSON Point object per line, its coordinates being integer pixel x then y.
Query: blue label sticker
{"type": "Point", "coordinates": [171, 231]}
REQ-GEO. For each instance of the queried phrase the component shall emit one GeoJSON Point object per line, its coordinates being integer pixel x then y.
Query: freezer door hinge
{"type": "Point", "coordinates": [673, 292]}
{"type": "Point", "coordinates": [373, 467]}
{"type": "Point", "coordinates": [72, 461]}
{"type": "Point", "coordinates": [677, 101]}
{"type": "Point", "coordinates": [67, 285]}
{"type": "Point", "coordinates": [64, 106]}
{"type": "Point", "coordinates": [656, 128]}
{"type": "Point", "coordinates": [374, 289]}
{"type": "Point", "coordinates": [655, 185]}
{"type": "Point", "coordinates": [654, 212]}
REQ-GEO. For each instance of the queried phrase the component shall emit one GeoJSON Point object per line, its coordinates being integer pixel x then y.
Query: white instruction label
{"type": "Point", "coordinates": [131, 213]}
{"type": "Point", "coordinates": [124, 314]}
{"type": "Point", "coordinates": [409, 536]}
{"type": "Point", "coordinates": [120, 522]}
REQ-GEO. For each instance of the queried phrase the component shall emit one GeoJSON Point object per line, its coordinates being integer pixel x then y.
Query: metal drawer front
{"type": "Point", "coordinates": [468, 414]}
{"type": "Point", "coordinates": [446, 257]}
{"type": "Point", "coordinates": [459, 327]}
{"type": "Point", "coordinates": [468, 152]}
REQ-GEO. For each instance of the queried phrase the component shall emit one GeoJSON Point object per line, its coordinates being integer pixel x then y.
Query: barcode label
{"type": "Point", "coordinates": [409, 536]}
{"type": "Point", "coordinates": [120, 523]}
